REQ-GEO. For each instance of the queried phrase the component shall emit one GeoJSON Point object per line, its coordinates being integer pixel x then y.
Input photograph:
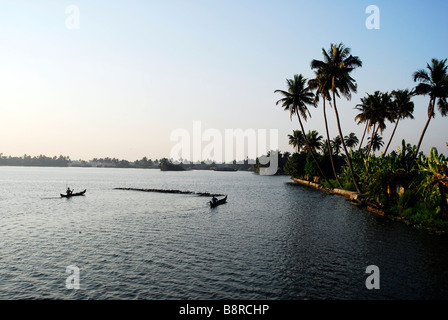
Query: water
{"type": "Point", "coordinates": [272, 240]}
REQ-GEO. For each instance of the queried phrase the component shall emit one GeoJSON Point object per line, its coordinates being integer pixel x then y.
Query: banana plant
{"type": "Point", "coordinates": [434, 185]}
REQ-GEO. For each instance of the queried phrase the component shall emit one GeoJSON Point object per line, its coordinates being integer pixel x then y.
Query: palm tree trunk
{"type": "Point", "coordinates": [392, 136]}
{"type": "Point", "coordinates": [343, 143]}
{"type": "Point", "coordinates": [365, 130]}
{"type": "Point", "coordinates": [430, 112]}
{"type": "Point", "coordinates": [421, 137]}
{"type": "Point", "coordinates": [312, 152]}
{"type": "Point", "coordinates": [371, 139]}
{"type": "Point", "coordinates": [329, 147]}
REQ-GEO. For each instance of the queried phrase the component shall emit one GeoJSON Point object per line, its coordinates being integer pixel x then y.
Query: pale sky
{"type": "Point", "coordinates": [132, 72]}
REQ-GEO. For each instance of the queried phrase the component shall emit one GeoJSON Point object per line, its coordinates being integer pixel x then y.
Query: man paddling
{"type": "Point", "coordinates": [69, 191]}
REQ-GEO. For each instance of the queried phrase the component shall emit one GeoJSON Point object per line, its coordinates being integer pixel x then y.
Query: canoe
{"type": "Point", "coordinates": [73, 194]}
{"type": "Point", "coordinates": [217, 203]}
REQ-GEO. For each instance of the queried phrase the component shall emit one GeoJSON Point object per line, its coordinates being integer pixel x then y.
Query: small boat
{"type": "Point", "coordinates": [73, 194]}
{"type": "Point", "coordinates": [218, 202]}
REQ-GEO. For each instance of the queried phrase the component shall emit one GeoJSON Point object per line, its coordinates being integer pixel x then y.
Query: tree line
{"type": "Point", "coordinates": [163, 164]}
{"type": "Point", "coordinates": [65, 161]}
{"type": "Point", "coordinates": [339, 164]}
{"type": "Point", "coordinates": [39, 161]}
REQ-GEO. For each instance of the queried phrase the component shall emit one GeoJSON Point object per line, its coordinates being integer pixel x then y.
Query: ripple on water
{"type": "Point", "coordinates": [271, 240]}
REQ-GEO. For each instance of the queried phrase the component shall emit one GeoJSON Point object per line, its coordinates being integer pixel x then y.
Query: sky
{"type": "Point", "coordinates": [94, 79]}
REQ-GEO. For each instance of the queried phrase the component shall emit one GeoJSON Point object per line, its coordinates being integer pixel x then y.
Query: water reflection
{"type": "Point", "coordinates": [272, 240]}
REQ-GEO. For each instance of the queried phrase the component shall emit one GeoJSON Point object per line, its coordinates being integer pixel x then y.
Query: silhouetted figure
{"type": "Point", "coordinates": [69, 191]}
{"type": "Point", "coordinates": [214, 200]}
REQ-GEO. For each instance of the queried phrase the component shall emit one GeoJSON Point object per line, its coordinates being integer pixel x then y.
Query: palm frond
{"type": "Point", "coordinates": [422, 76]}
{"type": "Point", "coordinates": [442, 105]}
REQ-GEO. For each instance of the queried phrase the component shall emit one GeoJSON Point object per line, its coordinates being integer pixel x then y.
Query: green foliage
{"type": "Point", "coordinates": [282, 161]}
{"type": "Point", "coordinates": [167, 165]}
{"type": "Point", "coordinates": [310, 167]}
{"type": "Point", "coordinates": [405, 202]}
{"type": "Point", "coordinates": [327, 185]}
{"type": "Point", "coordinates": [295, 166]}
{"type": "Point", "coordinates": [377, 185]}
{"type": "Point", "coordinates": [301, 164]}
{"type": "Point", "coordinates": [349, 186]}
{"type": "Point", "coordinates": [374, 173]}
{"type": "Point", "coordinates": [424, 201]}
{"type": "Point", "coordinates": [433, 181]}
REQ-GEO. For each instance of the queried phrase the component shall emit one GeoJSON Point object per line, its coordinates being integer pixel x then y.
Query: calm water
{"type": "Point", "coordinates": [272, 240]}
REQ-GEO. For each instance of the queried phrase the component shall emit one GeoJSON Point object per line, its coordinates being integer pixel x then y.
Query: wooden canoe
{"type": "Point", "coordinates": [73, 194]}
{"type": "Point", "coordinates": [218, 202]}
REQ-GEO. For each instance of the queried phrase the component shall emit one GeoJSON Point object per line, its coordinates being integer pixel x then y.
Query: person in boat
{"type": "Point", "coordinates": [214, 200]}
{"type": "Point", "coordinates": [69, 191]}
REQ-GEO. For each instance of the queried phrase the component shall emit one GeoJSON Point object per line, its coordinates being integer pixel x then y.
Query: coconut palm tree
{"type": "Point", "coordinates": [297, 140]}
{"type": "Point", "coordinates": [314, 140]}
{"type": "Point", "coordinates": [363, 135]}
{"type": "Point", "coordinates": [401, 108]}
{"type": "Point", "coordinates": [381, 105]}
{"type": "Point", "coordinates": [435, 84]}
{"type": "Point", "coordinates": [322, 85]}
{"type": "Point", "coordinates": [296, 100]}
{"type": "Point", "coordinates": [324, 149]}
{"type": "Point", "coordinates": [373, 111]}
{"type": "Point", "coordinates": [337, 65]}
{"type": "Point", "coordinates": [365, 115]}
{"type": "Point", "coordinates": [351, 140]}
{"type": "Point", "coordinates": [336, 144]}
{"type": "Point", "coordinates": [376, 142]}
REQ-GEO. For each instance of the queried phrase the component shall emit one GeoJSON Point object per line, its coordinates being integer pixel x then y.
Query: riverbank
{"type": "Point", "coordinates": [358, 200]}
{"type": "Point", "coordinates": [353, 196]}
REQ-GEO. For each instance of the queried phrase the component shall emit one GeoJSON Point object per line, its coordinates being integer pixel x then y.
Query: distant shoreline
{"type": "Point", "coordinates": [190, 168]}
{"type": "Point", "coordinates": [163, 164]}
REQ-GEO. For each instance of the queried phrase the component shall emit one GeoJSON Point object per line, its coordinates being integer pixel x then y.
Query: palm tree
{"type": "Point", "coordinates": [376, 142]}
{"type": "Point", "coordinates": [401, 108]}
{"type": "Point", "coordinates": [373, 111]}
{"type": "Point", "coordinates": [381, 105]}
{"type": "Point", "coordinates": [363, 135]}
{"type": "Point", "coordinates": [364, 115]}
{"type": "Point", "coordinates": [314, 140]}
{"type": "Point", "coordinates": [324, 149]}
{"type": "Point", "coordinates": [296, 100]}
{"type": "Point", "coordinates": [336, 67]}
{"type": "Point", "coordinates": [434, 84]}
{"type": "Point", "coordinates": [297, 140]}
{"type": "Point", "coordinates": [336, 143]}
{"type": "Point", "coordinates": [351, 140]}
{"type": "Point", "coordinates": [322, 85]}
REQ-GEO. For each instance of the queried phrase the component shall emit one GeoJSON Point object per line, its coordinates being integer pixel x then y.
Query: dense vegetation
{"type": "Point", "coordinates": [144, 163]}
{"type": "Point", "coordinates": [405, 184]}
{"type": "Point", "coordinates": [40, 161]}
{"type": "Point", "coordinates": [65, 161]}
{"type": "Point", "coordinates": [167, 165]}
